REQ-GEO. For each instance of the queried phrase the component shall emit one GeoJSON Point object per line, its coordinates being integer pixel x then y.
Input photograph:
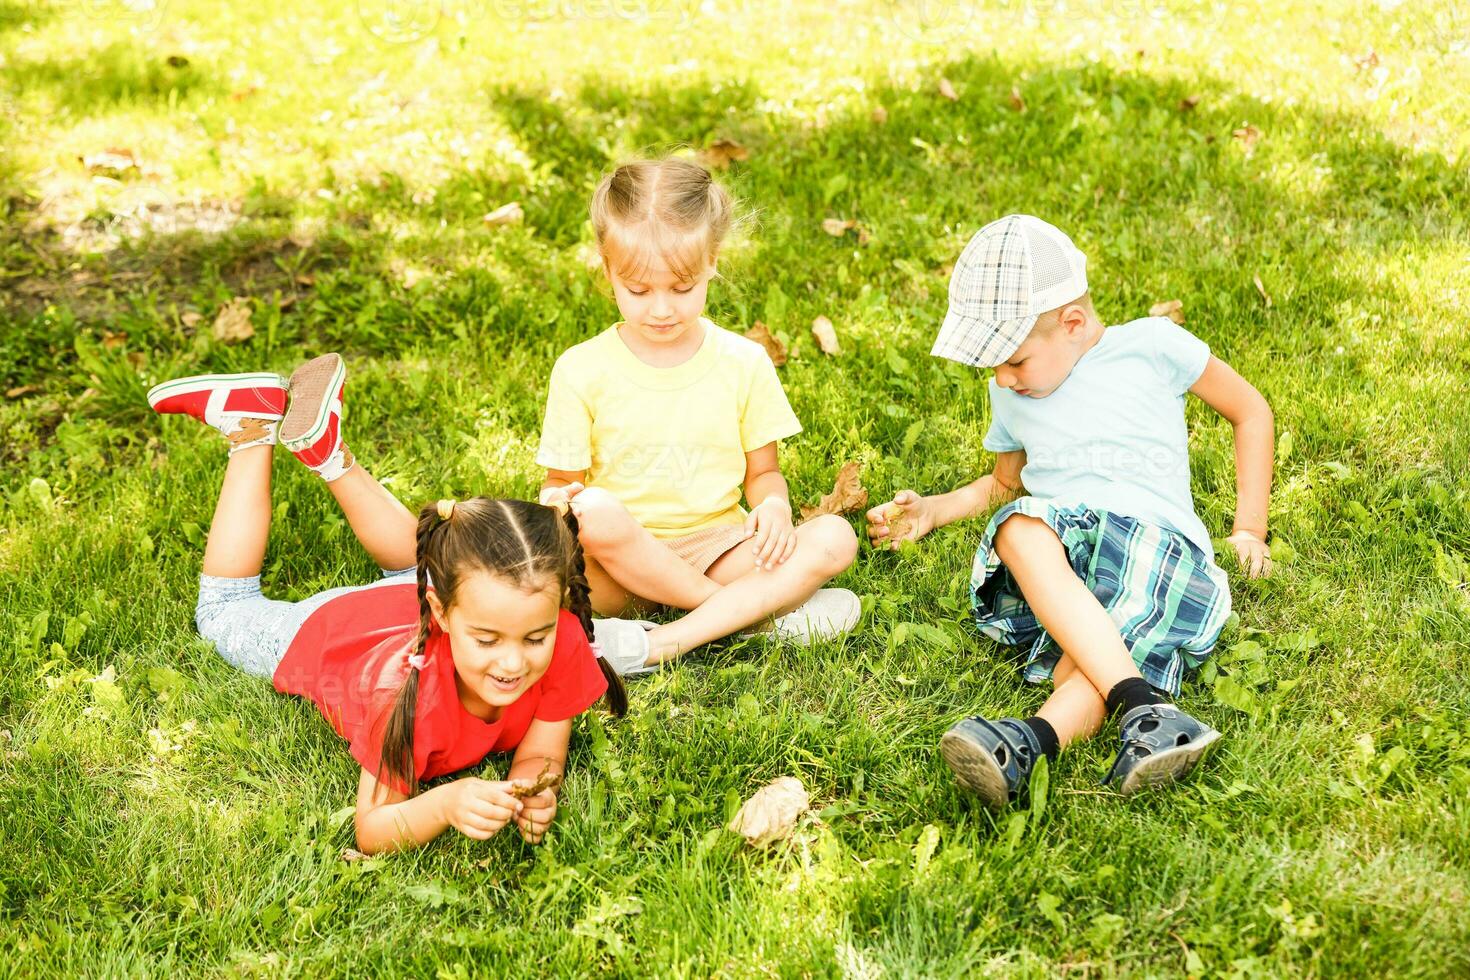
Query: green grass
{"type": "Point", "coordinates": [177, 817]}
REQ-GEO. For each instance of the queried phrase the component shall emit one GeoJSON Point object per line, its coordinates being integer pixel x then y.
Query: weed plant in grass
{"type": "Point", "coordinates": [161, 813]}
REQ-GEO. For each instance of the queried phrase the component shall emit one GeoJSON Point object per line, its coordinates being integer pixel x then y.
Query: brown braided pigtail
{"type": "Point", "coordinates": [579, 603]}
{"type": "Point", "coordinates": [397, 756]}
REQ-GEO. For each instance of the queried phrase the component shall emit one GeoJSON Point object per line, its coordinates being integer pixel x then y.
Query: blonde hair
{"type": "Point", "coordinates": [667, 209]}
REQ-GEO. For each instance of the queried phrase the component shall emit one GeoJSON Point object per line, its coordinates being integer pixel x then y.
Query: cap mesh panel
{"type": "Point", "coordinates": [1048, 262]}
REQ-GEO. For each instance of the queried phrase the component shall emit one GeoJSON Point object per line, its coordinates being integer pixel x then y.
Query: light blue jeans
{"type": "Point", "coordinates": [253, 632]}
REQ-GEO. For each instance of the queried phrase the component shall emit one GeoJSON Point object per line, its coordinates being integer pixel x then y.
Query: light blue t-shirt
{"type": "Point", "coordinates": [1112, 436]}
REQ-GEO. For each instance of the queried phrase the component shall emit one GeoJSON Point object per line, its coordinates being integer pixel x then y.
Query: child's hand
{"type": "Point", "coordinates": [560, 497]}
{"type": "Point", "coordinates": [478, 808]}
{"type": "Point", "coordinates": [1253, 554]}
{"type": "Point", "coordinates": [775, 539]}
{"type": "Point", "coordinates": [905, 518]}
{"type": "Point", "coordinates": [540, 810]}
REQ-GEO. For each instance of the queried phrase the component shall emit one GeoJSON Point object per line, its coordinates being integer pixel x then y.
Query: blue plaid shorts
{"type": "Point", "coordinates": [1167, 598]}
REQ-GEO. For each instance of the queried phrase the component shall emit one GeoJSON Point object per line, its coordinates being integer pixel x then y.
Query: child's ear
{"type": "Point", "coordinates": [1073, 318]}
{"type": "Point", "coordinates": [436, 610]}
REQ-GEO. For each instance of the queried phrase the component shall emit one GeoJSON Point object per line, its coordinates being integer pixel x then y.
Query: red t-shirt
{"type": "Point", "coordinates": [350, 658]}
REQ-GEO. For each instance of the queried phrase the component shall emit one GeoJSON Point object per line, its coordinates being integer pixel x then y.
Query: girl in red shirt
{"type": "Point", "coordinates": [478, 644]}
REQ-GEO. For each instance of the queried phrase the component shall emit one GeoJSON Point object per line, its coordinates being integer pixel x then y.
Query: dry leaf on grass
{"type": "Point", "coordinates": [1171, 308]}
{"type": "Point", "coordinates": [722, 152]}
{"type": "Point", "coordinates": [762, 335]}
{"type": "Point", "coordinates": [548, 780]}
{"type": "Point", "coordinates": [1247, 136]}
{"type": "Point", "coordinates": [1189, 102]}
{"type": "Point", "coordinates": [880, 115]}
{"type": "Point", "coordinates": [837, 227]}
{"type": "Point", "coordinates": [506, 214]}
{"type": "Point", "coordinates": [848, 494]}
{"type": "Point", "coordinates": [1368, 59]}
{"type": "Point", "coordinates": [946, 89]}
{"type": "Point", "coordinates": [771, 812]}
{"type": "Point", "coordinates": [1261, 288]}
{"type": "Point", "coordinates": [350, 854]}
{"type": "Point", "coordinates": [826, 335]}
{"type": "Point", "coordinates": [113, 161]}
{"type": "Point", "coordinates": [21, 392]}
{"type": "Point", "coordinates": [191, 319]}
{"type": "Point", "coordinates": [1017, 102]}
{"type": "Point", "coordinates": [233, 321]}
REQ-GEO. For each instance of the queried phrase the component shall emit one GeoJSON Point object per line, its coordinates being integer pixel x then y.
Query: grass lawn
{"type": "Point", "coordinates": [1295, 173]}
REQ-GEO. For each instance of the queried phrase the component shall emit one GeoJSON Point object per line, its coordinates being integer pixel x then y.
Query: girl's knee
{"type": "Point", "coordinates": [833, 543]}
{"type": "Point", "coordinates": [603, 520]}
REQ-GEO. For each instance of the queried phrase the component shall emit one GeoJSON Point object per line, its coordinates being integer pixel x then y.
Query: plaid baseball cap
{"type": "Point", "coordinates": [1012, 271]}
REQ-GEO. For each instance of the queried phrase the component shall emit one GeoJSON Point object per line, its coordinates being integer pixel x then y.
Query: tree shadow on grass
{"type": "Point", "coordinates": [1167, 201]}
{"type": "Point", "coordinates": [100, 81]}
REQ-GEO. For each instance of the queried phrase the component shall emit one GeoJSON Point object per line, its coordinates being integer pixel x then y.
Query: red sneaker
{"type": "Point", "coordinates": [312, 428]}
{"type": "Point", "coordinates": [245, 408]}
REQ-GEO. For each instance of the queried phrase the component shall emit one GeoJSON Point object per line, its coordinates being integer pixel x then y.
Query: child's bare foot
{"type": "Point", "coordinates": [312, 428]}
{"type": "Point", "coordinates": [245, 408]}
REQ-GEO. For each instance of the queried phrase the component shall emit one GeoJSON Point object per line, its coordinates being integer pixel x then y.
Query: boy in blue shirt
{"type": "Point", "coordinates": [1097, 567]}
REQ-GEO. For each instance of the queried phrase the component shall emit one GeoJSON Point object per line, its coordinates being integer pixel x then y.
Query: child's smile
{"type": "Point", "coordinates": [502, 637]}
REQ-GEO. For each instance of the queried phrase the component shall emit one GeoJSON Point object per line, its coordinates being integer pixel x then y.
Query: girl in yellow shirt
{"type": "Point", "coordinates": [654, 427]}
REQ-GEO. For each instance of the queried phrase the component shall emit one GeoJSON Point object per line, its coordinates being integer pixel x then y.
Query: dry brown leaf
{"type": "Point", "coordinates": [547, 780]}
{"type": "Point", "coordinates": [1189, 102]}
{"type": "Point", "coordinates": [880, 115]}
{"type": "Point", "coordinates": [191, 319]}
{"type": "Point", "coordinates": [22, 391]}
{"type": "Point", "coordinates": [1171, 308]}
{"type": "Point", "coordinates": [351, 854]}
{"type": "Point", "coordinates": [771, 812]}
{"type": "Point", "coordinates": [1248, 136]}
{"type": "Point", "coordinates": [826, 335]}
{"type": "Point", "coordinates": [1261, 288]}
{"type": "Point", "coordinates": [1017, 102]}
{"type": "Point", "coordinates": [113, 161]}
{"type": "Point", "coordinates": [722, 152]}
{"type": "Point", "coordinates": [837, 227]}
{"type": "Point", "coordinates": [304, 279]}
{"type": "Point", "coordinates": [762, 335]}
{"type": "Point", "coordinates": [899, 524]}
{"type": "Point", "coordinates": [233, 321]}
{"type": "Point", "coordinates": [946, 89]}
{"type": "Point", "coordinates": [863, 236]}
{"type": "Point", "coordinates": [1369, 59]}
{"type": "Point", "coordinates": [848, 494]}
{"type": "Point", "coordinates": [506, 214]}
{"type": "Point", "coordinates": [112, 341]}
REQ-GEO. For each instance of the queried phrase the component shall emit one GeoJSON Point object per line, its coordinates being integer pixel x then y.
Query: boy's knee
{"type": "Point", "coordinates": [1018, 532]}
{"type": "Point", "coordinates": [835, 545]}
{"type": "Point", "coordinates": [602, 520]}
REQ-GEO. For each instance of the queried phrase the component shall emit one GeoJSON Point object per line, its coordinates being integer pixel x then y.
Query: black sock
{"type": "Point", "coordinates": [1045, 734]}
{"type": "Point", "coordinates": [1132, 693]}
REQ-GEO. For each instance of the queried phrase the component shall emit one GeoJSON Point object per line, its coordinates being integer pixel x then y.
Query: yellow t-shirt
{"type": "Point", "coordinates": [670, 443]}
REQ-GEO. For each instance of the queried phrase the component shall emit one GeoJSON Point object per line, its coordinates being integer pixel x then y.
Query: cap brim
{"type": "Point", "coordinates": [980, 343]}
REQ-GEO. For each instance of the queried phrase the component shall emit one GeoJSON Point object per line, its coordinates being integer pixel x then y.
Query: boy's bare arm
{"type": "Point", "coordinates": [1237, 400]}
{"type": "Point", "coordinates": [910, 516]}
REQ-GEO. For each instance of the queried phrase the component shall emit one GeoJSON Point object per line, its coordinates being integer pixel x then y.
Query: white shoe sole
{"type": "Point", "coordinates": [1167, 766]}
{"type": "Point", "coordinates": [976, 769]}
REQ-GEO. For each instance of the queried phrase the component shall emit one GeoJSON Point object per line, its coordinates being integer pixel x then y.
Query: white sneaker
{"type": "Point", "coordinates": [623, 643]}
{"type": "Point", "coordinates": [828, 614]}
